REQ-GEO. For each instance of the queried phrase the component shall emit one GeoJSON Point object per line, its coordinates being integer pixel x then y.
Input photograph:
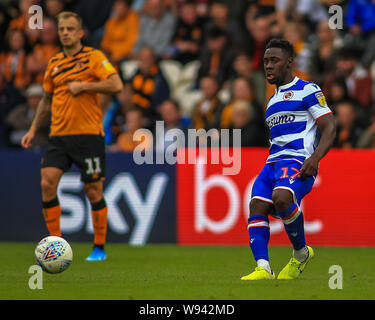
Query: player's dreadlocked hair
{"type": "Point", "coordinates": [282, 44]}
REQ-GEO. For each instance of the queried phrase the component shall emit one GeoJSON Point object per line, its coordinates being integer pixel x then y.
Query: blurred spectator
{"type": "Point", "coordinates": [120, 32]}
{"type": "Point", "coordinates": [337, 92]}
{"type": "Point", "coordinates": [21, 22]}
{"type": "Point", "coordinates": [219, 17]}
{"type": "Point", "coordinates": [309, 11]}
{"type": "Point", "coordinates": [188, 37]}
{"type": "Point", "coordinates": [22, 19]}
{"type": "Point", "coordinates": [206, 113]}
{"type": "Point", "coordinates": [294, 32]}
{"type": "Point", "coordinates": [170, 113]}
{"type": "Point", "coordinates": [367, 138]}
{"type": "Point", "coordinates": [13, 78]}
{"type": "Point", "coordinates": [324, 53]}
{"type": "Point", "coordinates": [70, 5]}
{"type": "Point", "coordinates": [263, 7]}
{"type": "Point", "coordinates": [138, 5]}
{"type": "Point", "coordinates": [53, 7]}
{"type": "Point", "coordinates": [242, 67]}
{"type": "Point", "coordinates": [148, 83]}
{"type": "Point", "coordinates": [37, 60]}
{"type": "Point", "coordinates": [253, 134]}
{"type": "Point", "coordinates": [20, 118]}
{"type": "Point", "coordinates": [360, 19]}
{"type": "Point", "coordinates": [209, 31]}
{"type": "Point", "coordinates": [127, 141]}
{"type": "Point", "coordinates": [156, 28]}
{"type": "Point", "coordinates": [202, 7]}
{"type": "Point", "coordinates": [217, 57]}
{"type": "Point", "coordinates": [357, 78]}
{"type": "Point", "coordinates": [13, 61]}
{"type": "Point", "coordinates": [114, 119]}
{"type": "Point", "coordinates": [242, 91]}
{"type": "Point", "coordinates": [348, 131]}
{"type": "Point", "coordinates": [94, 14]}
{"type": "Point", "coordinates": [4, 22]}
{"type": "Point", "coordinates": [258, 34]}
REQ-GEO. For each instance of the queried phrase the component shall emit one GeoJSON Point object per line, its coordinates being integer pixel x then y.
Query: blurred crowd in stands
{"type": "Point", "coordinates": [194, 63]}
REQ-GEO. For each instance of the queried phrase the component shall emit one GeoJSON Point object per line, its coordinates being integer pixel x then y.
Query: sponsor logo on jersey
{"type": "Point", "coordinates": [281, 119]}
{"type": "Point", "coordinates": [108, 66]}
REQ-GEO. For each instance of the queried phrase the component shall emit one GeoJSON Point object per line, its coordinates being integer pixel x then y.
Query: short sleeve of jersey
{"type": "Point", "coordinates": [48, 85]}
{"type": "Point", "coordinates": [101, 67]}
{"type": "Point", "coordinates": [315, 102]}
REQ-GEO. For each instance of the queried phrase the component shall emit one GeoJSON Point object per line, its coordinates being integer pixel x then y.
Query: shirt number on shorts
{"type": "Point", "coordinates": [285, 173]}
{"type": "Point", "coordinates": [93, 165]}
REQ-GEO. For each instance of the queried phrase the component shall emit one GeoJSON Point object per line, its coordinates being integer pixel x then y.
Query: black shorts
{"type": "Point", "coordinates": [87, 152]}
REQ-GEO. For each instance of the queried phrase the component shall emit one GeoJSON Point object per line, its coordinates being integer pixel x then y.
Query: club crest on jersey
{"type": "Point", "coordinates": [321, 98]}
{"type": "Point", "coordinates": [288, 95]}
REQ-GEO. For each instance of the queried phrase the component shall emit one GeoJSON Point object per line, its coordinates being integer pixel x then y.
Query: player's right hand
{"type": "Point", "coordinates": [27, 139]}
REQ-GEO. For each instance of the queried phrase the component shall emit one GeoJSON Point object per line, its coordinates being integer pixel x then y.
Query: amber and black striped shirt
{"type": "Point", "coordinates": [80, 114]}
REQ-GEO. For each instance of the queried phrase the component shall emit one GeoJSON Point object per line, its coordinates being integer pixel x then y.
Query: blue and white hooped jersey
{"type": "Point", "coordinates": [290, 115]}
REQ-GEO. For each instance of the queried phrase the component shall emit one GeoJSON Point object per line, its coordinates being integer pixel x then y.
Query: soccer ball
{"type": "Point", "coordinates": [53, 254]}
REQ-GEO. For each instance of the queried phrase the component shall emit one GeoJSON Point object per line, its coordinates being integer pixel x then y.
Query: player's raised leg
{"type": "Point", "coordinates": [292, 217]}
{"type": "Point", "coordinates": [99, 212]}
{"type": "Point", "coordinates": [259, 235]}
{"type": "Point", "coordinates": [50, 178]}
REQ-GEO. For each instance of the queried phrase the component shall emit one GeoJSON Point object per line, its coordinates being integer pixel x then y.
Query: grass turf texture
{"type": "Point", "coordinates": [166, 272]}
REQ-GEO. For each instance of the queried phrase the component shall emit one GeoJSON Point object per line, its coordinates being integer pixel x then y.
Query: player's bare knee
{"type": "Point", "coordinates": [48, 187]}
{"type": "Point", "coordinates": [257, 207]}
{"type": "Point", "coordinates": [93, 192]}
{"type": "Point", "coordinates": [282, 200]}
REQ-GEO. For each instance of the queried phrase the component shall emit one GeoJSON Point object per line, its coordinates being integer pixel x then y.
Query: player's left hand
{"type": "Point", "coordinates": [75, 88]}
{"type": "Point", "coordinates": [309, 168]}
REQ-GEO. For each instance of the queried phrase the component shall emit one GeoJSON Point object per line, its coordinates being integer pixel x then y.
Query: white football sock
{"type": "Point", "coordinates": [301, 255]}
{"type": "Point", "coordinates": [265, 264]}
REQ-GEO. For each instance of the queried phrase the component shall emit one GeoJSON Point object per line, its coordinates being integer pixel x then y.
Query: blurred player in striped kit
{"type": "Point", "coordinates": [302, 130]}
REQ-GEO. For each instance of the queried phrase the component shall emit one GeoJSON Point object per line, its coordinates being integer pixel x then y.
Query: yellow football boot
{"type": "Point", "coordinates": [259, 274]}
{"type": "Point", "coordinates": [294, 268]}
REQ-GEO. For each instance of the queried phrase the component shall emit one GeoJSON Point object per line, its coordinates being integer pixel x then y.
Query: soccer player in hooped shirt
{"type": "Point", "coordinates": [72, 82]}
{"type": "Point", "coordinates": [302, 130]}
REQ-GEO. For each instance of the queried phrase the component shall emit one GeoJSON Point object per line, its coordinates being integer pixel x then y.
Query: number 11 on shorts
{"type": "Point", "coordinates": [93, 165]}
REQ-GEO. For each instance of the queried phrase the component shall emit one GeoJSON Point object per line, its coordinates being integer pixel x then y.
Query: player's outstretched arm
{"type": "Point", "coordinates": [111, 85]}
{"type": "Point", "coordinates": [327, 127]}
{"type": "Point", "coordinates": [41, 115]}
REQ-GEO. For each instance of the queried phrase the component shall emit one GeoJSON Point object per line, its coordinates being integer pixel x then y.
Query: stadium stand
{"type": "Point", "coordinates": [181, 32]}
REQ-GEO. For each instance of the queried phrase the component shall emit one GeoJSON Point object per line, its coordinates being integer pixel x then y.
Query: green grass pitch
{"type": "Point", "coordinates": [166, 272]}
